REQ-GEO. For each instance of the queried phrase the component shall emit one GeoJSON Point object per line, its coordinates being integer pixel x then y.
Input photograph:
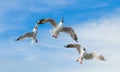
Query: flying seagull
{"type": "Point", "coordinates": [83, 54]}
{"type": "Point", "coordinates": [29, 35]}
{"type": "Point", "coordinates": [59, 28]}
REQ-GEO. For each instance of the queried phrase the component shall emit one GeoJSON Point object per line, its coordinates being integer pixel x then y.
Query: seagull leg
{"type": "Point", "coordinates": [54, 36]}
{"type": "Point", "coordinates": [36, 41]}
{"type": "Point", "coordinates": [80, 62]}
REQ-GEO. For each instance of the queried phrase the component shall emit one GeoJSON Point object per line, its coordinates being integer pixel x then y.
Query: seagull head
{"type": "Point", "coordinates": [83, 51]}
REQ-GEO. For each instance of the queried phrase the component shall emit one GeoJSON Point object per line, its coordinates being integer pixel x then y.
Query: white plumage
{"type": "Point", "coordinates": [59, 28]}
{"type": "Point", "coordinates": [32, 35]}
{"type": "Point", "coordinates": [83, 54]}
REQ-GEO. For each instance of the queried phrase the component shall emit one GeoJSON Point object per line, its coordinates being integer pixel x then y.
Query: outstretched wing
{"type": "Point", "coordinates": [78, 49]}
{"type": "Point", "coordinates": [77, 46]}
{"type": "Point", "coordinates": [70, 31]}
{"type": "Point", "coordinates": [95, 55]}
{"type": "Point", "coordinates": [26, 35]}
{"type": "Point", "coordinates": [52, 21]}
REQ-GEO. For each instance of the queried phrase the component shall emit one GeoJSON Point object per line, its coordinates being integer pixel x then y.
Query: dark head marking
{"type": "Point", "coordinates": [84, 49]}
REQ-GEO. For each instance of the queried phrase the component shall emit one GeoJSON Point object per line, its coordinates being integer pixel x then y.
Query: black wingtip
{"type": "Point", "coordinates": [16, 39]}
{"type": "Point", "coordinates": [40, 21]}
{"type": "Point", "coordinates": [75, 38]}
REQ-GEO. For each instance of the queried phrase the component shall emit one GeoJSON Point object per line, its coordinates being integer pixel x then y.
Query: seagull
{"type": "Point", "coordinates": [29, 35]}
{"type": "Point", "coordinates": [83, 54]}
{"type": "Point", "coordinates": [59, 28]}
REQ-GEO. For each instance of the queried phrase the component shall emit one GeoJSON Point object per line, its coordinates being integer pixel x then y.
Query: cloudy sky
{"type": "Point", "coordinates": [96, 22]}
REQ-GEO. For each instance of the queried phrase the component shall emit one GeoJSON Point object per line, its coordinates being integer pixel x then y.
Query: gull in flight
{"type": "Point", "coordinates": [83, 54]}
{"type": "Point", "coordinates": [29, 35]}
{"type": "Point", "coordinates": [59, 28]}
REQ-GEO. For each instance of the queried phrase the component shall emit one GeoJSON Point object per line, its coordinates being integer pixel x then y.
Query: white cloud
{"type": "Point", "coordinates": [102, 36]}
{"type": "Point", "coordinates": [104, 30]}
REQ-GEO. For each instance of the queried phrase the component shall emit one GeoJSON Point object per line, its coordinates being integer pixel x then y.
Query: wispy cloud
{"type": "Point", "coordinates": [14, 13]}
{"type": "Point", "coordinates": [104, 30]}
{"type": "Point", "coordinates": [102, 35]}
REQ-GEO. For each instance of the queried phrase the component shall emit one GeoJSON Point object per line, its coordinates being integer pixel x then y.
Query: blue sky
{"type": "Point", "coordinates": [97, 23]}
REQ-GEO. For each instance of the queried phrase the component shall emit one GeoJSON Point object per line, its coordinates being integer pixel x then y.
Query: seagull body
{"type": "Point", "coordinates": [57, 28]}
{"type": "Point", "coordinates": [32, 35]}
{"type": "Point", "coordinates": [83, 54]}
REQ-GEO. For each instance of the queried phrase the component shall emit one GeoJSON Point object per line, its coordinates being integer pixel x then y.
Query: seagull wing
{"type": "Point", "coordinates": [94, 55]}
{"type": "Point", "coordinates": [26, 35]}
{"type": "Point", "coordinates": [78, 49]}
{"type": "Point", "coordinates": [70, 31]}
{"type": "Point", "coordinates": [77, 46]}
{"type": "Point", "coordinates": [52, 21]}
